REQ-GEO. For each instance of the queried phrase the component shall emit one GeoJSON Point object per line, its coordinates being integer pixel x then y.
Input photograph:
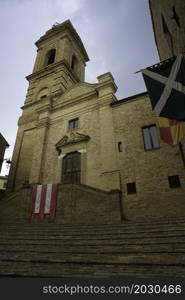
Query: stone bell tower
{"type": "Point", "coordinates": [60, 63]}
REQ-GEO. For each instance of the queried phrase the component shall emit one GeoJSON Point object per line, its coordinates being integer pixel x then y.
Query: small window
{"type": "Point", "coordinates": [44, 96]}
{"type": "Point", "coordinates": [131, 188]}
{"type": "Point", "coordinates": [174, 181]}
{"type": "Point", "coordinates": [74, 123]}
{"type": "Point", "coordinates": [150, 137]}
{"type": "Point", "coordinates": [51, 56]}
{"type": "Point", "coordinates": [120, 147]}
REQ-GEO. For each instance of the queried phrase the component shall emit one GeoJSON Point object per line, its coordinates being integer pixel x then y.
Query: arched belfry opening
{"type": "Point", "coordinates": [50, 58]}
{"type": "Point", "coordinates": [74, 63]}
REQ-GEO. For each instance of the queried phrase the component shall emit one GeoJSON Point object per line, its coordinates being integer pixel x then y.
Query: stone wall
{"type": "Point", "coordinates": [149, 169]}
{"type": "Point", "coordinates": [83, 204]}
{"type": "Point", "coordinates": [75, 204]}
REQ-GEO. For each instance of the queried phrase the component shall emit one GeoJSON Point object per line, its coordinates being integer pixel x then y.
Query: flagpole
{"type": "Point", "coordinates": [182, 153]}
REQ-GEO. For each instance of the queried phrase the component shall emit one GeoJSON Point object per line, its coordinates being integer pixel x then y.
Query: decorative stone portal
{"type": "Point", "coordinates": [72, 158]}
{"type": "Point", "coordinates": [71, 168]}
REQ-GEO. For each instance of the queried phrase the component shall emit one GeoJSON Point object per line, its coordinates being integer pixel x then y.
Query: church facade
{"type": "Point", "coordinates": [76, 133]}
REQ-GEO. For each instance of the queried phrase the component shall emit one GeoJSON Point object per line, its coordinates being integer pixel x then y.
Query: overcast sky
{"type": "Point", "coordinates": [117, 35]}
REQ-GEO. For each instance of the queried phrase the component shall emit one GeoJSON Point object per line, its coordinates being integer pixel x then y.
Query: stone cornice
{"type": "Point", "coordinates": [55, 106]}
{"type": "Point", "coordinates": [108, 84]}
{"type": "Point", "coordinates": [42, 123]}
{"type": "Point", "coordinates": [49, 69]}
{"type": "Point", "coordinates": [107, 100]}
{"type": "Point", "coordinates": [60, 103]}
{"type": "Point", "coordinates": [41, 102]}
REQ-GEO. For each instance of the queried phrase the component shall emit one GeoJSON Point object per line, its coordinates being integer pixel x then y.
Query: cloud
{"type": "Point", "coordinates": [69, 7]}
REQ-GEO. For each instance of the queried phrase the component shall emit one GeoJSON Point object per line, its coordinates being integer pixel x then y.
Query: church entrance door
{"type": "Point", "coordinates": [71, 168]}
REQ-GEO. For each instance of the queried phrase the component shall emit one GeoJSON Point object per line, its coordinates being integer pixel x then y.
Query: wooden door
{"type": "Point", "coordinates": [71, 168]}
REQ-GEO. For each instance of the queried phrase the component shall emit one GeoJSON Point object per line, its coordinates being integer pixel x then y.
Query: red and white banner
{"type": "Point", "coordinates": [44, 199]}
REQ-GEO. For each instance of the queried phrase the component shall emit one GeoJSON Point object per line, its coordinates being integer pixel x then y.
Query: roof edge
{"type": "Point", "coordinates": [121, 101]}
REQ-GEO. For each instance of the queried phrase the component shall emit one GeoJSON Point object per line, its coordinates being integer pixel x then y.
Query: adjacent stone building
{"type": "Point", "coordinates": [3, 146]}
{"type": "Point", "coordinates": [74, 132]}
{"type": "Point", "coordinates": [169, 26]}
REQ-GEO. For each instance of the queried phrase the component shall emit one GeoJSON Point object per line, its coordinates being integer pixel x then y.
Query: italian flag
{"type": "Point", "coordinates": [44, 199]}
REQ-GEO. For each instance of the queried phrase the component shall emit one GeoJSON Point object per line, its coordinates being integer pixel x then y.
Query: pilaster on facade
{"type": "Point", "coordinates": [106, 85]}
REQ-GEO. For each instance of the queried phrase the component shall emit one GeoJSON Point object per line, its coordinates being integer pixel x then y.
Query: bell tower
{"type": "Point", "coordinates": [60, 62]}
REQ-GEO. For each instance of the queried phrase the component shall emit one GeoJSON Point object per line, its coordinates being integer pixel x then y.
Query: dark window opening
{"type": "Point", "coordinates": [131, 188]}
{"type": "Point", "coordinates": [73, 62]}
{"type": "Point", "coordinates": [4, 185]}
{"type": "Point", "coordinates": [165, 27]}
{"type": "Point", "coordinates": [74, 123]}
{"type": "Point", "coordinates": [44, 96]}
{"type": "Point", "coordinates": [120, 147]}
{"type": "Point", "coordinates": [51, 56]}
{"type": "Point", "coordinates": [150, 137]}
{"type": "Point", "coordinates": [175, 17]}
{"type": "Point", "coordinates": [174, 181]}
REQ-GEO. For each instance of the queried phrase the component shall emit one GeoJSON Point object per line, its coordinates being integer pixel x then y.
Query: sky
{"type": "Point", "coordinates": [117, 35]}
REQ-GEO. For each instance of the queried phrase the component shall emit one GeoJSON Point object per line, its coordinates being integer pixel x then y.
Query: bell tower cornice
{"type": "Point", "coordinates": [66, 28]}
{"type": "Point", "coordinates": [49, 69]}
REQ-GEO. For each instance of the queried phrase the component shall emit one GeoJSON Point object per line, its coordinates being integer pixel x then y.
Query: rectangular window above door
{"type": "Point", "coordinates": [74, 123]}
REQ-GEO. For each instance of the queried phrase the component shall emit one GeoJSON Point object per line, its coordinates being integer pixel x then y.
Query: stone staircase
{"type": "Point", "coordinates": [142, 249]}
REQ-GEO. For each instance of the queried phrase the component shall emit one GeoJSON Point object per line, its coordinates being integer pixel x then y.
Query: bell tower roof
{"type": "Point", "coordinates": [64, 27]}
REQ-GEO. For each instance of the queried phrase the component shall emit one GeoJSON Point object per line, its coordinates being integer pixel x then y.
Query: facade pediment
{"type": "Point", "coordinates": [70, 139]}
{"type": "Point", "coordinates": [79, 90]}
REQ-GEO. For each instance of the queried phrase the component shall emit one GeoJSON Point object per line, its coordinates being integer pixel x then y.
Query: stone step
{"type": "Point", "coordinates": [116, 258]}
{"type": "Point", "coordinates": [80, 270]}
{"type": "Point", "coordinates": [46, 222]}
{"type": "Point", "coordinates": [114, 248]}
{"type": "Point", "coordinates": [119, 230]}
{"type": "Point", "coordinates": [92, 235]}
{"type": "Point", "coordinates": [101, 241]}
{"type": "Point", "coordinates": [129, 249]}
{"type": "Point", "coordinates": [144, 223]}
{"type": "Point", "coordinates": [76, 227]}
